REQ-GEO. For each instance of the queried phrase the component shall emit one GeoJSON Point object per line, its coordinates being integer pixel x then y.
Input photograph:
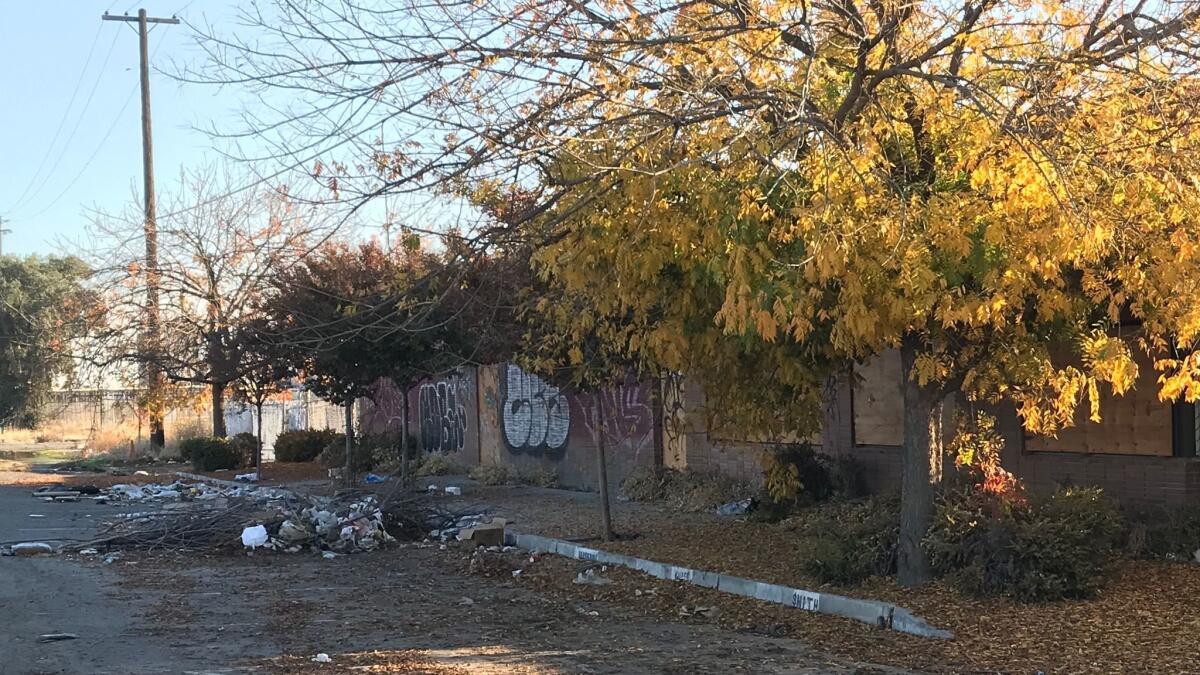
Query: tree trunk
{"type": "Point", "coordinates": [404, 440]}
{"type": "Point", "coordinates": [218, 409]}
{"type": "Point", "coordinates": [350, 442]}
{"type": "Point", "coordinates": [606, 531]}
{"type": "Point", "coordinates": [258, 445]}
{"type": "Point", "coordinates": [922, 467]}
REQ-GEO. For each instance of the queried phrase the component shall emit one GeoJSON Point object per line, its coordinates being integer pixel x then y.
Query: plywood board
{"type": "Point", "coordinates": [1134, 424]}
{"type": "Point", "coordinates": [879, 401]}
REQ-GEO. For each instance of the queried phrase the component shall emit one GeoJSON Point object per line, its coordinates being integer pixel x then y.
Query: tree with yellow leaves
{"type": "Point", "coordinates": [972, 182]}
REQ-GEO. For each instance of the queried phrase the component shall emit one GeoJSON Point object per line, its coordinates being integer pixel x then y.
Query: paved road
{"type": "Point", "coordinates": [56, 595]}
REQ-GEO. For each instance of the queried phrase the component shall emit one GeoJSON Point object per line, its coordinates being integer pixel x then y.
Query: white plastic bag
{"type": "Point", "coordinates": [253, 537]}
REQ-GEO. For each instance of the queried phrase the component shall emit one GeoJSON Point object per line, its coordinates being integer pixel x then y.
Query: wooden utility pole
{"type": "Point", "coordinates": [3, 231]}
{"type": "Point", "coordinates": [151, 338]}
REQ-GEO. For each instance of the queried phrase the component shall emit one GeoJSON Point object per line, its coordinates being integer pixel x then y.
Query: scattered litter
{"type": "Point", "coordinates": [432, 488]}
{"type": "Point", "coordinates": [466, 601]}
{"type": "Point", "coordinates": [253, 537]}
{"type": "Point", "coordinates": [111, 558]}
{"type": "Point", "coordinates": [591, 577]}
{"type": "Point", "coordinates": [517, 573]}
{"type": "Point", "coordinates": [56, 493]}
{"type": "Point", "coordinates": [485, 534]}
{"type": "Point", "coordinates": [140, 472]}
{"type": "Point", "coordinates": [639, 592]}
{"type": "Point", "coordinates": [329, 555]}
{"type": "Point", "coordinates": [31, 548]}
{"type": "Point", "coordinates": [738, 508]}
{"type": "Point", "coordinates": [702, 611]}
{"type": "Point", "coordinates": [322, 658]}
{"type": "Point", "coordinates": [251, 477]}
{"type": "Point", "coordinates": [89, 551]}
{"type": "Point", "coordinates": [57, 637]}
{"type": "Point", "coordinates": [36, 515]}
{"type": "Point", "coordinates": [454, 490]}
{"type": "Point", "coordinates": [374, 478]}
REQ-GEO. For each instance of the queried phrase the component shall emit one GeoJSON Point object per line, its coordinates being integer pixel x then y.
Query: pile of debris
{"type": "Point", "coordinates": [199, 516]}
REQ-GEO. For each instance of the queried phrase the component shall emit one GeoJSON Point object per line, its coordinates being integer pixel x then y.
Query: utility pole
{"type": "Point", "coordinates": [151, 339]}
{"type": "Point", "coordinates": [3, 231]}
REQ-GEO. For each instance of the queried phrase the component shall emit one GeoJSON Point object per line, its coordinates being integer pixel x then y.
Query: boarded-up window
{"type": "Point", "coordinates": [879, 401]}
{"type": "Point", "coordinates": [1134, 424]}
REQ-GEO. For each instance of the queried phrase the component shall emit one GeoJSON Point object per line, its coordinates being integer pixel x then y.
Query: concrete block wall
{"type": "Point", "coordinates": [499, 415]}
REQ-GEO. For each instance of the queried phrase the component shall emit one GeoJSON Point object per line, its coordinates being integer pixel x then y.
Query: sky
{"type": "Point", "coordinates": [70, 113]}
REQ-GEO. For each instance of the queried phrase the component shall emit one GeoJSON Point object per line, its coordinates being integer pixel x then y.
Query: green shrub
{"type": "Point", "coordinates": [210, 454]}
{"type": "Point", "coordinates": [852, 541]}
{"type": "Point", "coordinates": [489, 475]}
{"type": "Point", "coordinates": [690, 491]}
{"type": "Point", "coordinates": [1163, 533]}
{"type": "Point", "coordinates": [382, 450]}
{"type": "Point", "coordinates": [1060, 546]}
{"type": "Point", "coordinates": [646, 484]}
{"type": "Point", "coordinates": [244, 444]}
{"type": "Point", "coordinates": [795, 474]}
{"type": "Point", "coordinates": [437, 464]}
{"type": "Point", "coordinates": [302, 445]}
{"type": "Point", "coordinates": [543, 478]}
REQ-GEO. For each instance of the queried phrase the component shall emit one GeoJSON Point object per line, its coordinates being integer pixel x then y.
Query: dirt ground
{"type": "Point", "coordinates": [1144, 621]}
{"type": "Point", "coordinates": [407, 609]}
{"type": "Point", "coordinates": [417, 609]}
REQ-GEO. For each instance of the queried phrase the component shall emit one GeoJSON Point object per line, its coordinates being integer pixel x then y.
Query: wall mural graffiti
{"type": "Point", "coordinates": [629, 419]}
{"type": "Point", "coordinates": [535, 415]}
{"type": "Point", "coordinates": [442, 415]}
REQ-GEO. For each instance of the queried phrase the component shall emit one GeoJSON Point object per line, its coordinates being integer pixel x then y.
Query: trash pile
{"type": "Point", "coordinates": [199, 516]}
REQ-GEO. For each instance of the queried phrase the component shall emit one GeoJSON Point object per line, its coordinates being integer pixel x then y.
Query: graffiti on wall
{"type": "Point", "coordinates": [535, 415]}
{"type": "Point", "coordinates": [628, 418]}
{"type": "Point", "coordinates": [442, 415]}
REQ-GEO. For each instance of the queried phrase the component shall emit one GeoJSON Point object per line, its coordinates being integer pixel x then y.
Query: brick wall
{"type": "Point", "coordinates": [1129, 478]}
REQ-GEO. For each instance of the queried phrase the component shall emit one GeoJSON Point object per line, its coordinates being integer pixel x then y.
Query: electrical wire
{"type": "Point", "coordinates": [62, 120]}
{"type": "Point", "coordinates": [104, 139]}
{"type": "Point", "coordinates": [82, 113]}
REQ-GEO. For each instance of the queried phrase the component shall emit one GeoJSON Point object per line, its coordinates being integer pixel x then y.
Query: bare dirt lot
{"type": "Point", "coordinates": [408, 609]}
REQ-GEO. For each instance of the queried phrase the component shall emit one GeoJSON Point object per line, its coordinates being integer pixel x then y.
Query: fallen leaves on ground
{"type": "Point", "coordinates": [1144, 621]}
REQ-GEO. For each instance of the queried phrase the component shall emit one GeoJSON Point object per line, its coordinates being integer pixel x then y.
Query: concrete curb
{"type": "Point", "coordinates": [870, 612]}
{"type": "Point", "coordinates": [209, 479]}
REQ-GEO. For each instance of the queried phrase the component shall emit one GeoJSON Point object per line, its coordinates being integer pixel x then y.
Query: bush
{"type": "Point", "coordinates": [1056, 547]}
{"type": "Point", "coordinates": [1164, 533]}
{"type": "Point", "coordinates": [853, 541]}
{"type": "Point", "coordinates": [544, 478]}
{"type": "Point", "coordinates": [210, 454]}
{"type": "Point", "coordinates": [490, 475]}
{"type": "Point", "coordinates": [302, 445]}
{"type": "Point", "coordinates": [437, 464]}
{"type": "Point", "coordinates": [244, 444]}
{"type": "Point", "coordinates": [796, 475]}
{"type": "Point", "coordinates": [382, 450]}
{"type": "Point", "coordinates": [683, 490]}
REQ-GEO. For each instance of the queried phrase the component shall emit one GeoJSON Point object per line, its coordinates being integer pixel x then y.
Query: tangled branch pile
{"type": "Point", "coordinates": [289, 522]}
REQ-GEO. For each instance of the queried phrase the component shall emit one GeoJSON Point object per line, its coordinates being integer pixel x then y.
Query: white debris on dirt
{"type": "Point", "coordinates": [322, 658]}
{"type": "Point", "coordinates": [188, 516]}
{"type": "Point", "coordinates": [254, 536]}
{"type": "Point", "coordinates": [28, 548]}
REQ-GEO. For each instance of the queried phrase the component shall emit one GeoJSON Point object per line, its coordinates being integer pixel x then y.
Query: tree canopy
{"type": "Point", "coordinates": [44, 310]}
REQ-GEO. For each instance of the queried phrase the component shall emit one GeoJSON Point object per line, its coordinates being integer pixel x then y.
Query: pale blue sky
{"type": "Point", "coordinates": [95, 159]}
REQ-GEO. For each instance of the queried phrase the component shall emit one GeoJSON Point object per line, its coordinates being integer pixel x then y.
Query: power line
{"type": "Point", "coordinates": [62, 120]}
{"type": "Point", "coordinates": [99, 146]}
{"type": "Point", "coordinates": [82, 113]}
